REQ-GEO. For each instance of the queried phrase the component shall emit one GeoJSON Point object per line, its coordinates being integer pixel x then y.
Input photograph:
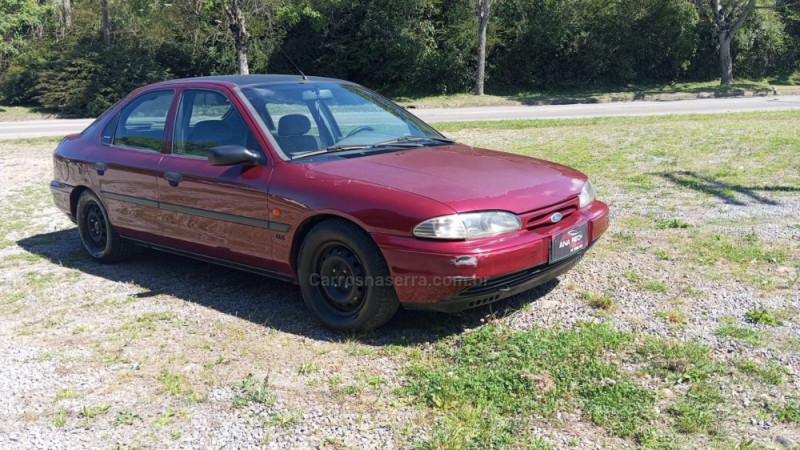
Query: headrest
{"type": "Point", "coordinates": [293, 125]}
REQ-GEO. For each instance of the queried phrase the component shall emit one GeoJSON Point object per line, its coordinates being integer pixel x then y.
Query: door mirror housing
{"type": "Point", "coordinates": [230, 155]}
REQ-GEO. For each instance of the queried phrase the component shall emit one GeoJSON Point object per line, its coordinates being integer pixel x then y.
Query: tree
{"type": "Point", "coordinates": [66, 13]}
{"type": "Point", "coordinates": [236, 23]}
{"type": "Point", "coordinates": [484, 9]}
{"type": "Point", "coordinates": [726, 17]}
{"type": "Point", "coordinates": [106, 27]}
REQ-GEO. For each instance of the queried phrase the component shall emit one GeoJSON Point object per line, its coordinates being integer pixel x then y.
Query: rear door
{"type": "Point", "coordinates": [218, 211]}
{"type": "Point", "coordinates": [126, 165]}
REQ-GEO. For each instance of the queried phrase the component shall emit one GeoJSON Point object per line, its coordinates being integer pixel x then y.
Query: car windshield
{"type": "Point", "coordinates": [311, 119]}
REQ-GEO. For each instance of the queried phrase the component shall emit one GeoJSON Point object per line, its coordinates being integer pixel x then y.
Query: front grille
{"type": "Point", "coordinates": [541, 217]}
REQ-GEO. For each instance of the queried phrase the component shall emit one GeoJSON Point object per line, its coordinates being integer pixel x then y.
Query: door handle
{"type": "Point", "coordinates": [100, 168]}
{"type": "Point", "coordinates": [173, 177]}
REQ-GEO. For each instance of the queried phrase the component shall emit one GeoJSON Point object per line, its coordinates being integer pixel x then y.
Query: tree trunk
{"type": "Point", "coordinates": [725, 60]}
{"type": "Point", "coordinates": [67, 13]}
{"type": "Point", "coordinates": [484, 8]}
{"type": "Point", "coordinates": [233, 8]}
{"type": "Point", "coordinates": [106, 28]}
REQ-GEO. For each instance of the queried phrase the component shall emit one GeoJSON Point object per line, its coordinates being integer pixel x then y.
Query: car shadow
{"type": "Point", "coordinates": [264, 301]}
{"type": "Point", "coordinates": [725, 191]}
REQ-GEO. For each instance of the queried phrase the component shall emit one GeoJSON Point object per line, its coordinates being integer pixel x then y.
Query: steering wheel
{"type": "Point", "coordinates": [357, 130]}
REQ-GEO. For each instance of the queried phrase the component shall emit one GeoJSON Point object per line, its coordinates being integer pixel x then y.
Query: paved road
{"type": "Point", "coordinates": [60, 127]}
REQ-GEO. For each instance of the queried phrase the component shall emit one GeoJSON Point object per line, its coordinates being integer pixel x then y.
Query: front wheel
{"type": "Point", "coordinates": [98, 236]}
{"type": "Point", "coordinates": [344, 279]}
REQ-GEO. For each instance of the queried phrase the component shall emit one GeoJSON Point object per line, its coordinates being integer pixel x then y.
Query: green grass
{"type": "Point", "coordinates": [604, 94]}
{"type": "Point", "coordinates": [126, 418]}
{"type": "Point", "coordinates": [729, 329]}
{"type": "Point", "coordinates": [769, 373]}
{"type": "Point", "coordinates": [60, 418]}
{"type": "Point", "coordinates": [662, 224]}
{"type": "Point", "coordinates": [90, 412]}
{"type": "Point", "coordinates": [176, 384]}
{"type": "Point", "coordinates": [790, 412]}
{"type": "Point", "coordinates": [482, 383]}
{"type": "Point", "coordinates": [66, 393]}
{"type": "Point", "coordinates": [763, 316]}
{"type": "Point", "coordinates": [675, 316]}
{"type": "Point", "coordinates": [251, 390]}
{"type": "Point", "coordinates": [598, 301]}
{"type": "Point", "coordinates": [697, 412]}
{"type": "Point", "coordinates": [655, 286]}
{"type": "Point", "coordinates": [14, 113]}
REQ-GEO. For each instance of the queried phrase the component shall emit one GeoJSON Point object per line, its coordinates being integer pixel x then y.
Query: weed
{"type": "Point", "coordinates": [491, 375]}
{"type": "Point", "coordinates": [250, 391]}
{"type": "Point", "coordinates": [66, 393]}
{"type": "Point", "coordinates": [662, 224]}
{"type": "Point", "coordinates": [60, 418]}
{"type": "Point", "coordinates": [675, 316]}
{"type": "Point", "coordinates": [728, 328]}
{"type": "Point", "coordinates": [90, 412]}
{"type": "Point", "coordinates": [763, 316]}
{"type": "Point", "coordinates": [307, 368]}
{"type": "Point", "coordinates": [125, 418]}
{"type": "Point", "coordinates": [598, 301]}
{"type": "Point", "coordinates": [631, 276]}
{"type": "Point", "coordinates": [655, 286]}
{"type": "Point", "coordinates": [770, 373]}
{"type": "Point", "coordinates": [790, 412]}
{"type": "Point", "coordinates": [175, 384]}
{"type": "Point", "coordinates": [696, 412]}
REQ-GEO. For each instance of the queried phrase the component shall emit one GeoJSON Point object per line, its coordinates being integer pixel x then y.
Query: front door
{"type": "Point", "coordinates": [219, 211]}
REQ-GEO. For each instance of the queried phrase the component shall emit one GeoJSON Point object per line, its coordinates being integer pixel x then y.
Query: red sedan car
{"type": "Point", "coordinates": [326, 184]}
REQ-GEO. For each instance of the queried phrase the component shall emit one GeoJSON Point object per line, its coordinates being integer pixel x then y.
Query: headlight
{"type": "Point", "coordinates": [587, 194]}
{"type": "Point", "coordinates": [468, 225]}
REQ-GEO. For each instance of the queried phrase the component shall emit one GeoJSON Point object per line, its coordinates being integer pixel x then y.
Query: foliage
{"type": "Point", "coordinates": [411, 48]}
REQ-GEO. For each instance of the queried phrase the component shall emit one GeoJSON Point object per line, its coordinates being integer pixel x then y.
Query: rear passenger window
{"type": "Point", "coordinates": [208, 119]}
{"type": "Point", "coordinates": [141, 123]}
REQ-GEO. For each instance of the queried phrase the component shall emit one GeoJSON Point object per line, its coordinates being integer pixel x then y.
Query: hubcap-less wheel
{"type": "Point", "coordinates": [343, 277]}
{"type": "Point", "coordinates": [342, 281]}
{"type": "Point", "coordinates": [98, 235]}
{"type": "Point", "coordinates": [97, 230]}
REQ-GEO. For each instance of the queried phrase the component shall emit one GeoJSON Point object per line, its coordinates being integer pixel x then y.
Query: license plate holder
{"type": "Point", "coordinates": [569, 243]}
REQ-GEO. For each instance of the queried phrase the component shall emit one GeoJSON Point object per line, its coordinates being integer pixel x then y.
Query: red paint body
{"type": "Point", "coordinates": [385, 194]}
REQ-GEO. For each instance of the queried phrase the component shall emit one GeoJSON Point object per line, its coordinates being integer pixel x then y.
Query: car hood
{"type": "Point", "coordinates": [464, 178]}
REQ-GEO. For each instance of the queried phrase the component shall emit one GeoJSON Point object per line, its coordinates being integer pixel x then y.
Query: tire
{"type": "Point", "coordinates": [98, 236]}
{"type": "Point", "coordinates": [344, 279]}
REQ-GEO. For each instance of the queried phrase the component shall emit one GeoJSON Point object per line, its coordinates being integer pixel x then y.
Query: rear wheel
{"type": "Point", "coordinates": [98, 236]}
{"type": "Point", "coordinates": [344, 279]}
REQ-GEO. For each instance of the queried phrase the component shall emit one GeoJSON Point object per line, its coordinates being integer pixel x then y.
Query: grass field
{"type": "Point", "coordinates": [605, 94]}
{"type": "Point", "coordinates": [679, 330]}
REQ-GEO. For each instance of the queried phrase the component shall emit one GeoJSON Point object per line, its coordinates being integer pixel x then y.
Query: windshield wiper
{"type": "Point", "coordinates": [411, 141]}
{"type": "Point", "coordinates": [403, 141]}
{"type": "Point", "coordinates": [331, 149]}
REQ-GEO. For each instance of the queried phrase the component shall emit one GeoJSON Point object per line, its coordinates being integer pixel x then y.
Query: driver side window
{"type": "Point", "coordinates": [207, 119]}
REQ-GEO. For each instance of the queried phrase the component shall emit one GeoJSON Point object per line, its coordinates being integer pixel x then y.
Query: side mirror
{"type": "Point", "coordinates": [230, 155]}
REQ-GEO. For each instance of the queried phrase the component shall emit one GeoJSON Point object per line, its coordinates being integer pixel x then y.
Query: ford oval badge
{"type": "Point", "coordinates": [555, 218]}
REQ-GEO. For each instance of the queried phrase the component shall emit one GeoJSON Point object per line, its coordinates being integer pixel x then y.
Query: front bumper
{"type": "Point", "coordinates": [490, 291]}
{"type": "Point", "coordinates": [442, 275]}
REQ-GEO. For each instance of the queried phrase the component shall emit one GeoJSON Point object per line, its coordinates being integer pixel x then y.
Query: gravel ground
{"type": "Point", "coordinates": [152, 353]}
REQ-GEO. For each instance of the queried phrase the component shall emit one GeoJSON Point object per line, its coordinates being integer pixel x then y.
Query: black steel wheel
{"type": "Point", "coordinates": [98, 236]}
{"type": "Point", "coordinates": [344, 279]}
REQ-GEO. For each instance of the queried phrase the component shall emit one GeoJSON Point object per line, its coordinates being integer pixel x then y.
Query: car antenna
{"type": "Point", "coordinates": [305, 78]}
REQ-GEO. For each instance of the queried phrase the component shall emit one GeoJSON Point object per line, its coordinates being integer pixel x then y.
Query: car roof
{"type": "Point", "coordinates": [246, 80]}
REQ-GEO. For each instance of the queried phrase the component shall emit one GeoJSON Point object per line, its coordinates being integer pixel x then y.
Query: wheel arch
{"type": "Point", "coordinates": [75, 195]}
{"type": "Point", "coordinates": [308, 224]}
